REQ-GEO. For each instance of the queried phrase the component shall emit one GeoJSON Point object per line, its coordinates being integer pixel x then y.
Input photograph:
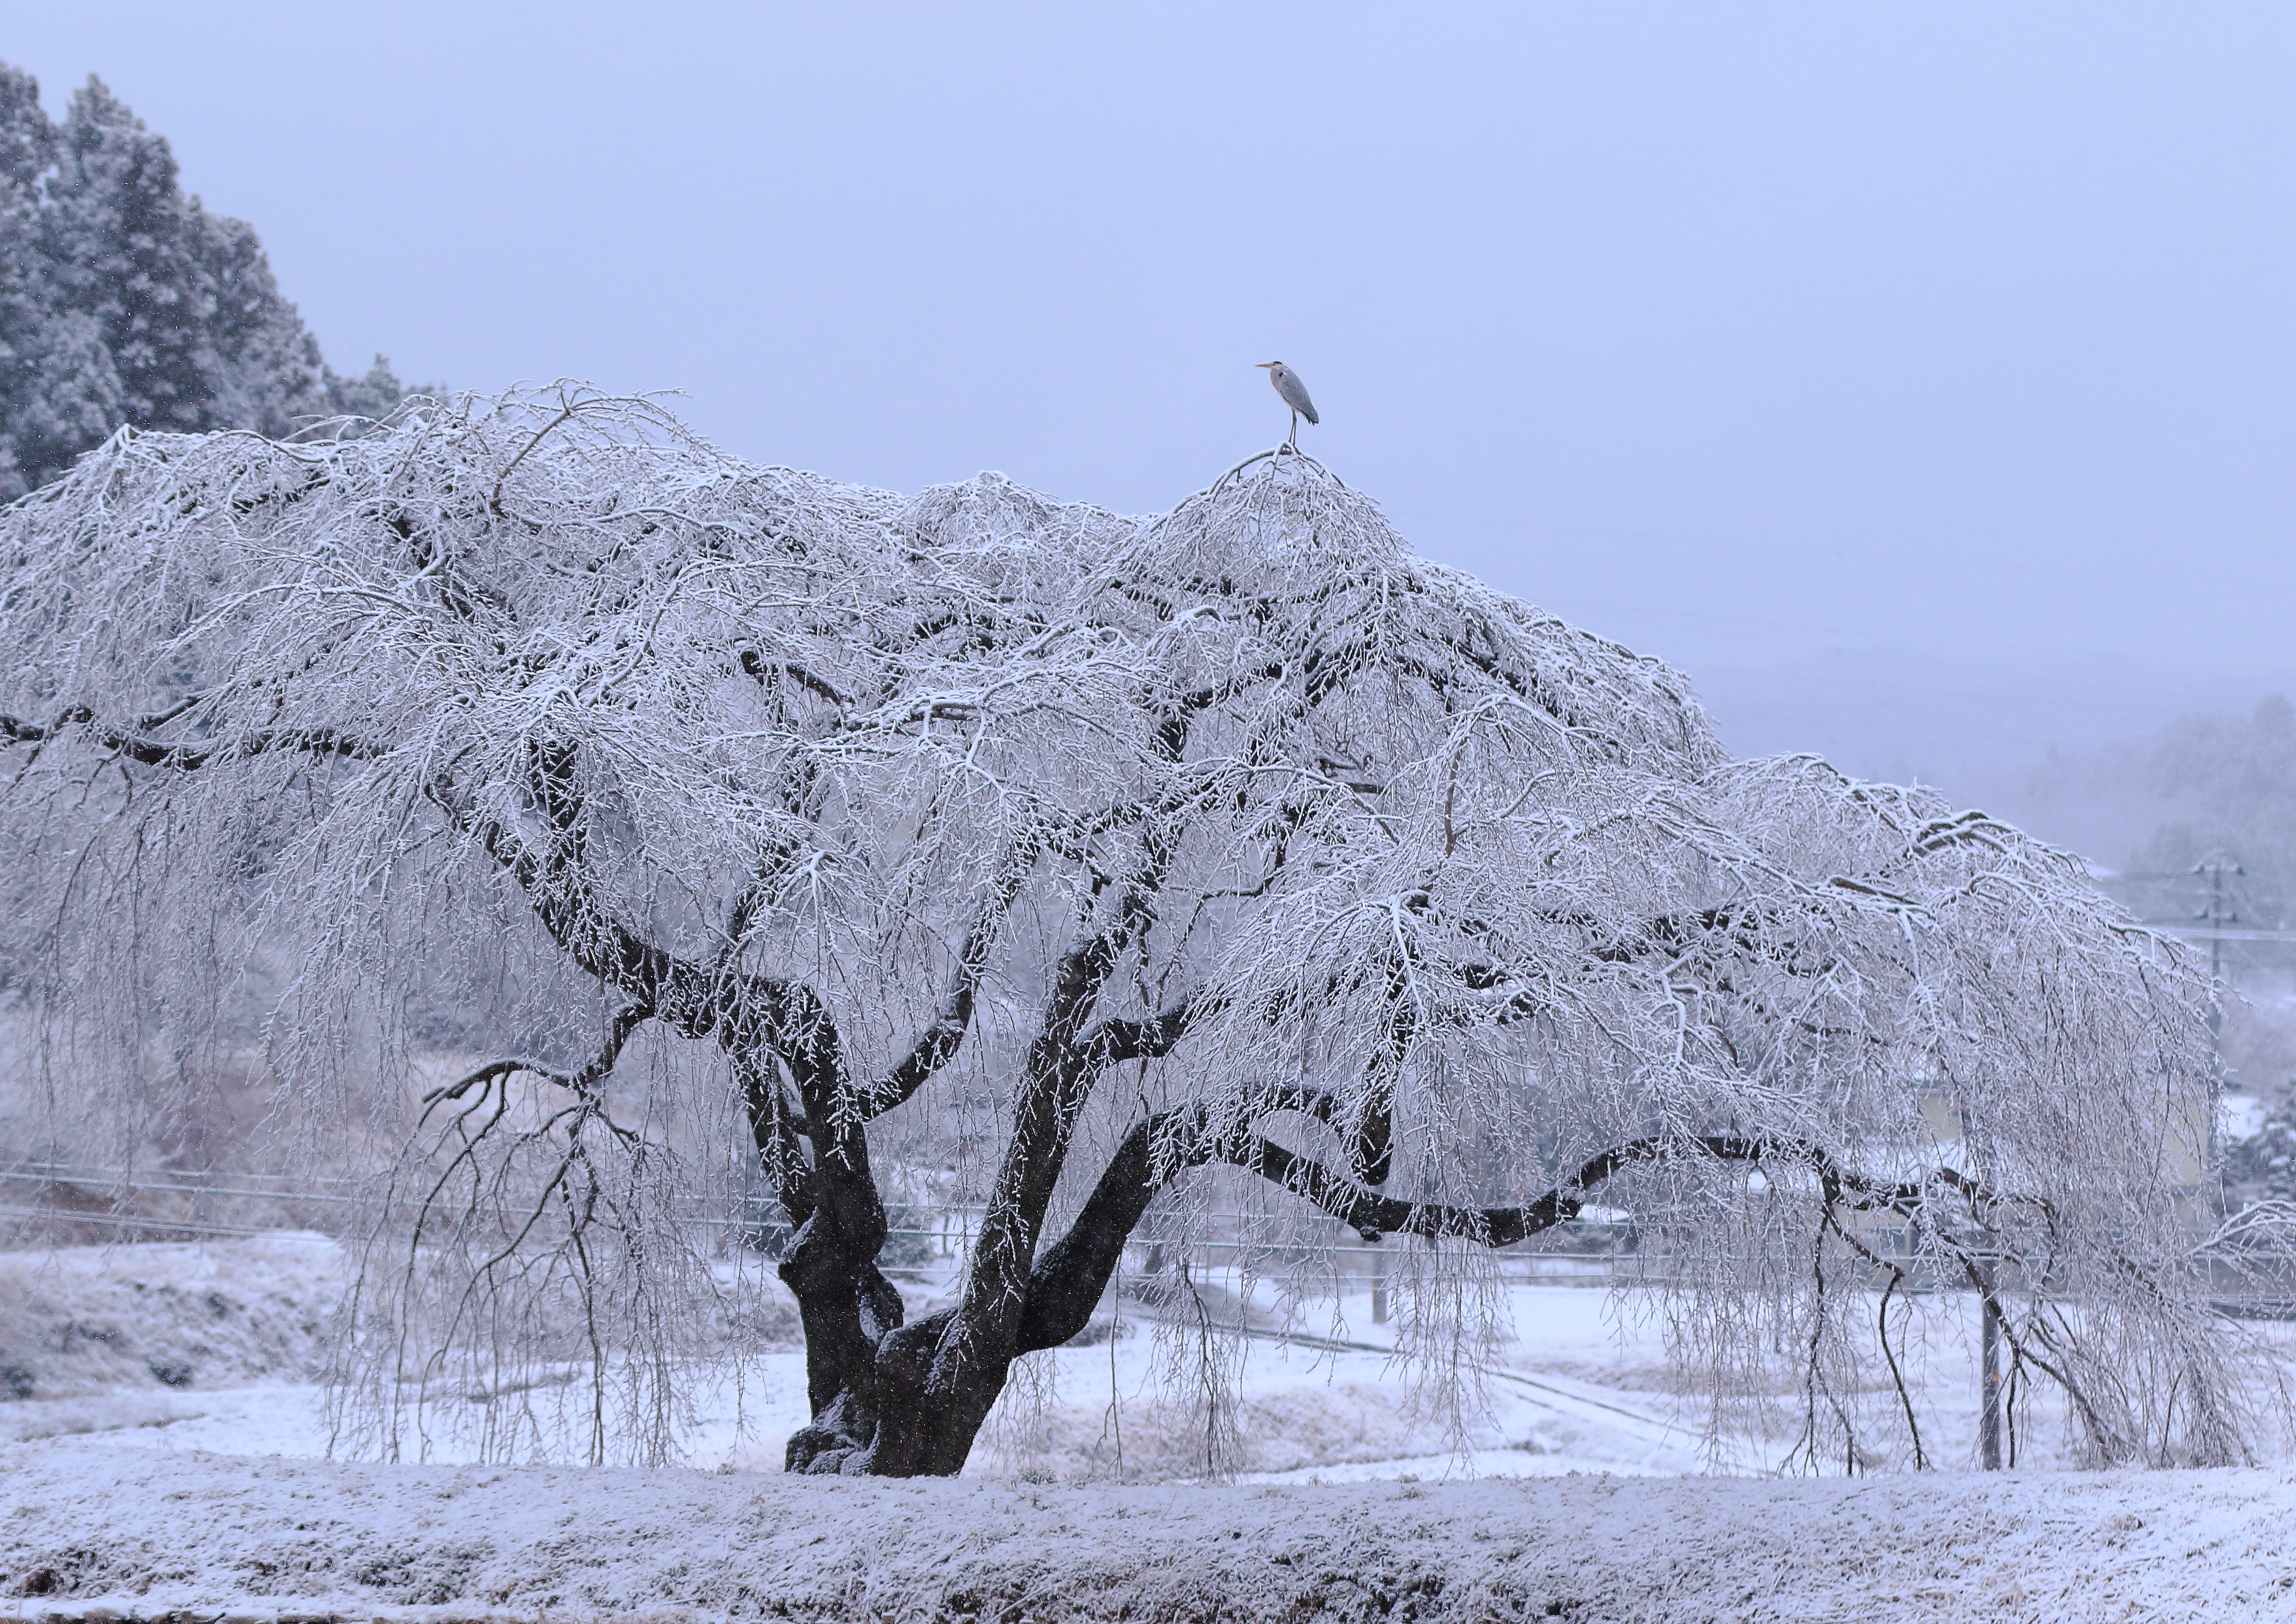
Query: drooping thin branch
{"type": "Point", "coordinates": [938, 1042]}
{"type": "Point", "coordinates": [1896, 1278]}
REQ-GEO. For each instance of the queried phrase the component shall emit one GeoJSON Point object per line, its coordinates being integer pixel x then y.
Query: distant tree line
{"type": "Point", "coordinates": [123, 301]}
{"type": "Point", "coordinates": [2198, 823]}
{"type": "Point", "coordinates": [2164, 809]}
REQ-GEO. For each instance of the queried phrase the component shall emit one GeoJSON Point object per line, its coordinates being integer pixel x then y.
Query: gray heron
{"type": "Point", "coordinates": [1295, 396]}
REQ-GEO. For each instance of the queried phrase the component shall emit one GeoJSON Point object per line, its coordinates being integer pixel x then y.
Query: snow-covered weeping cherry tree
{"type": "Point", "coordinates": [1236, 839]}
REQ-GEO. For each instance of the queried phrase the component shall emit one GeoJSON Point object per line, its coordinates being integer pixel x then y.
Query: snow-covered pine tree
{"type": "Point", "coordinates": [59, 391]}
{"type": "Point", "coordinates": [24, 142]}
{"type": "Point", "coordinates": [122, 301]}
{"type": "Point", "coordinates": [126, 248]}
{"type": "Point", "coordinates": [1236, 847]}
{"type": "Point", "coordinates": [373, 394]}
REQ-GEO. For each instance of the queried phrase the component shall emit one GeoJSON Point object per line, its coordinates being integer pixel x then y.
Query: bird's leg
{"type": "Point", "coordinates": [1294, 441]}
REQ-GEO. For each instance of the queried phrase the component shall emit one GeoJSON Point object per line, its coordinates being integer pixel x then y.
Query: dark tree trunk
{"type": "Point", "coordinates": [846, 1307]}
{"type": "Point", "coordinates": [891, 1400]}
{"type": "Point", "coordinates": [907, 1400]}
{"type": "Point", "coordinates": [907, 1403]}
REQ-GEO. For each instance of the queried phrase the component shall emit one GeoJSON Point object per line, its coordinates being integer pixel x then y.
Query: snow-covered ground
{"type": "Point", "coordinates": [88, 1534]}
{"type": "Point", "coordinates": [215, 1349]}
{"type": "Point", "coordinates": [173, 1451]}
{"type": "Point", "coordinates": [187, 1349]}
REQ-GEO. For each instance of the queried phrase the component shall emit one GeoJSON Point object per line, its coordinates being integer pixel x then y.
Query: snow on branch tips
{"type": "Point", "coordinates": [617, 823]}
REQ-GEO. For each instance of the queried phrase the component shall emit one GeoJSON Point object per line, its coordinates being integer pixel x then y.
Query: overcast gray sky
{"type": "Point", "coordinates": [1921, 379]}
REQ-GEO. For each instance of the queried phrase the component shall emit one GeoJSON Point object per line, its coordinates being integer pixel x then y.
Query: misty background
{"type": "Point", "coordinates": [1919, 380]}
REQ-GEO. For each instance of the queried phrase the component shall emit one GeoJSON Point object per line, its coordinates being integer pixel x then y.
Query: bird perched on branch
{"type": "Point", "coordinates": [1295, 396]}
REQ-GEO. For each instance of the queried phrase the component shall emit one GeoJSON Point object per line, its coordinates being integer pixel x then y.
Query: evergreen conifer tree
{"type": "Point", "coordinates": [122, 301]}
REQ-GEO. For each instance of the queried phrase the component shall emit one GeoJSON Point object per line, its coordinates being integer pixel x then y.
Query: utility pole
{"type": "Point", "coordinates": [2218, 913]}
{"type": "Point", "coordinates": [1988, 1336]}
{"type": "Point", "coordinates": [1988, 1395]}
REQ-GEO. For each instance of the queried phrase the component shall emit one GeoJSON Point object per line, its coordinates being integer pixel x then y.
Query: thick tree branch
{"type": "Point", "coordinates": [1069, 1276]}
{"type": "Point", "coordinates": [1371, 1215]}
{"type": "Point", "coordinates": [755, 665]}
{"type": "Point", "coordinates": [1119, 1038]}
{"type": "Point", "coordinates": [773, 1130]}
{"type": "Point", "coordinates": [190, 756]}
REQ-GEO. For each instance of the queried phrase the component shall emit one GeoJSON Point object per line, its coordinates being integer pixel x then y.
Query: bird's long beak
{"type": "Point", "coordinates": [1263, 363]}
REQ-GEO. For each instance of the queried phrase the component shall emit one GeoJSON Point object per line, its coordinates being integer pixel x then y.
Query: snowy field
{"type": "Point", "coordinates": [215, 1348]}
{"type": "Point", "coordinates": [171, 1454]}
